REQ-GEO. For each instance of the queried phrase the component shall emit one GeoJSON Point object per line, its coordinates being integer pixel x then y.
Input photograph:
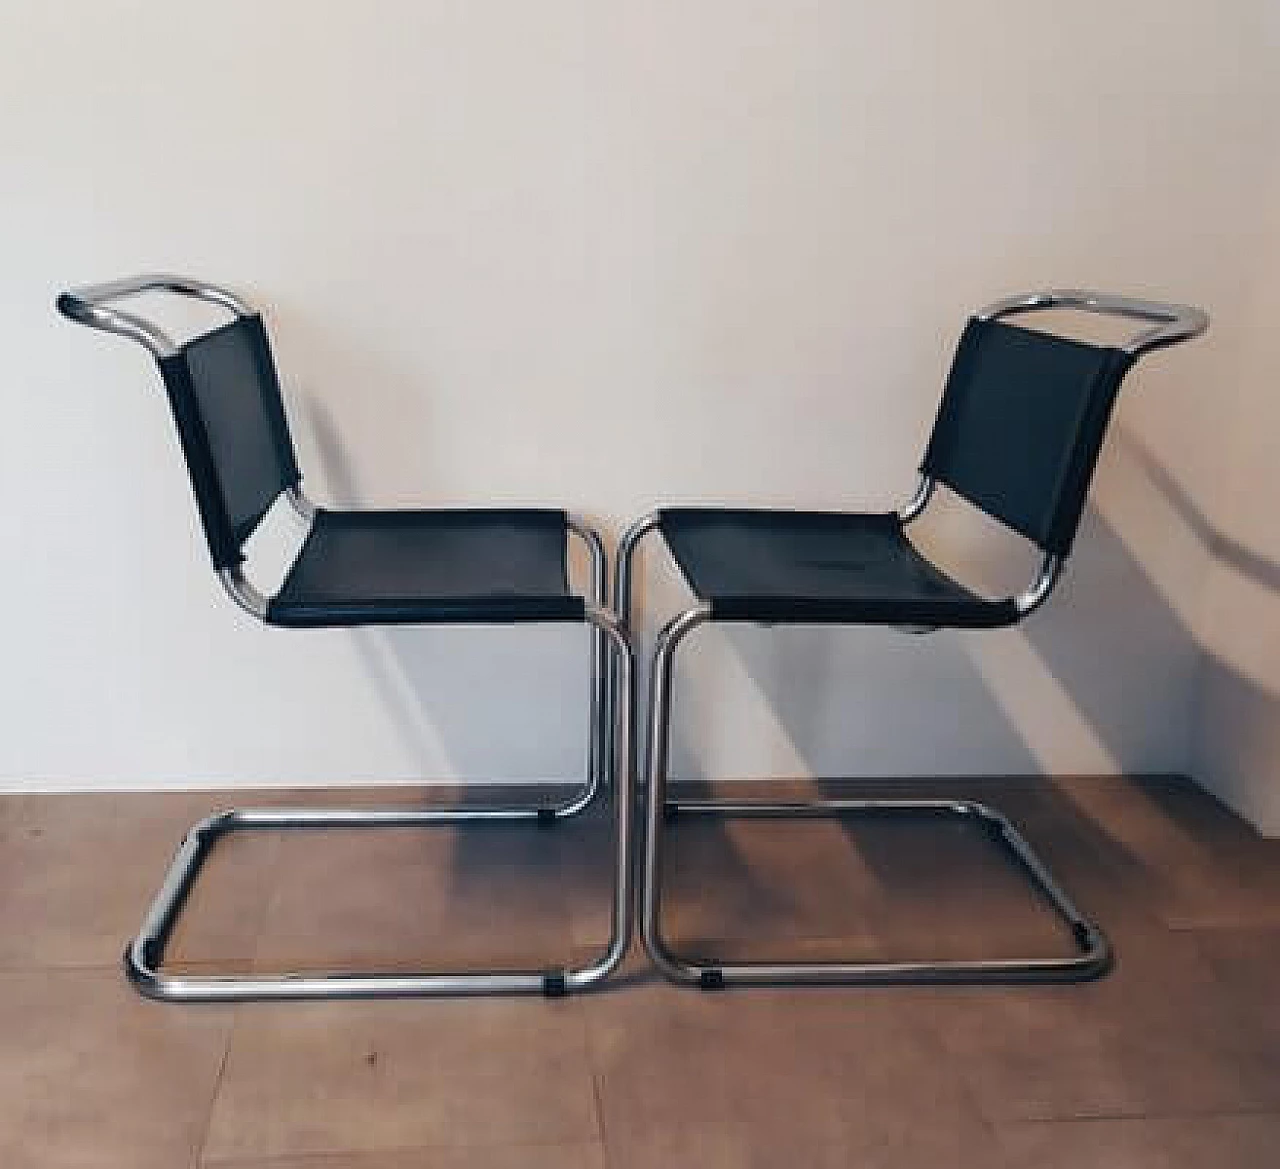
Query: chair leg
{"type": "Point", "coordinates": [624, 585]}
{"type": "Point", "coordinates": [1092, 959]}
{"type": "Point", "coordinates": [599, 744]}
{"type": "Point", "coordinates": [145, 954]}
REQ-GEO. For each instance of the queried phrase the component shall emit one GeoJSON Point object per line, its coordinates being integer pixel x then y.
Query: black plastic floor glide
{"type": "Point", "coordinates": [554, 985]}
{"type": "Point", "coordinates": [995, 829]}
{"type": "Point", "coordinates": [151, 954]}
{"type": "Point", "coordinates": [711, 980]}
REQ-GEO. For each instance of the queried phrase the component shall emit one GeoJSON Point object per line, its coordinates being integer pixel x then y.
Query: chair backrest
{"type": "Point", "coordinates": [225, 397]}
{"type": "Point", "coordinates": [226, 401]}
{"type": "Point", "coordinates": [1024, 413]}
{"type": "Point", "coordinates": [1021, 424]}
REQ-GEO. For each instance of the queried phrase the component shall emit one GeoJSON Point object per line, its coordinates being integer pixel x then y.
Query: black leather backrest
{"type": "Point", "coordinates": [1021, 424]}
{"type": "Point", "coordinates": [226, 402]}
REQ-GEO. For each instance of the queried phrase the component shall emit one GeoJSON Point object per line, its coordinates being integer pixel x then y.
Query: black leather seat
{"type": "Point", "coordinates": [388, 567]}
{"type": "Point", "coordinates": [804, 566]}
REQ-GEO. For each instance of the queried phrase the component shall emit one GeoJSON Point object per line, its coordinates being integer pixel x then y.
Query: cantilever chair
{"type": "Point", "coordinates": [361, 568]}
{"type": "Point", "coordinates": [1018, 433]}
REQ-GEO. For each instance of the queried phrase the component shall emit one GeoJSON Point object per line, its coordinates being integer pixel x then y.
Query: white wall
{"type": "Point", "coordinates": [605, 255]}
{"type": "Point", "coordinates": [1237, 741]}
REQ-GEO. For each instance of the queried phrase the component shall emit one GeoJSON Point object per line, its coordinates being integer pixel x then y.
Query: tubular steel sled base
{"type": "Point", "coordinates": [1092, 961]}
{"type": "Point", "coordinates": [145, 954]}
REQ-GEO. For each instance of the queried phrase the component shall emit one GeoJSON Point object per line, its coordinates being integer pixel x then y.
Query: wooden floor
{"type": "Point", "coordinates": [1173, 1060]}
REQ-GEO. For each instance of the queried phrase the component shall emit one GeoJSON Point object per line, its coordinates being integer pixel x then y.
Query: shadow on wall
{"type": "Point", "coordinates": [370, 390]}
{"type": "Point", "coordinates": [338, 475]}
{"type": "Point", "coordinates": [381, 666]}
{"type": "Point", "coordinates": [926, 689]}
{"type": "Point", "coordinates": [1221, 547]}
{"type": "Point", "coordinates": [457, 694]}
{"type": "Point", "coordinates": [951, 709]}
{"type": "Point", "coordinates": [1236, 737]}
{"type": "Point", "coordinates": [1237, 742]}
{"type": "Point", "coordinates": [1108, 609]}
{"type": "Point", "coordinates": [454, 695]}
{"type": "Point", "coordinates": [792, 669]}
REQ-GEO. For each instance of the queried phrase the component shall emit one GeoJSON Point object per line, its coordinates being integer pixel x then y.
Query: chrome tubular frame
{"type": "Point", "coordinates": [1093, 956]}
{"type": "Point", "coordinates": [91, 305]}
{"type": "Point", "coordinates": [624, 588]}
{"type": "Point", "coordinates": [601, 711]}
{"type": "Point", "coordinates": [624, 575]}
{"type": "Point", "coordinates": [609, 763]}
{"type": "Point", "coordinates": [1171, 323]}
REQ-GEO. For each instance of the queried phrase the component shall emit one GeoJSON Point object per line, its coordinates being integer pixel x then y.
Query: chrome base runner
{"type": "Point", "coordinates": [1092, 960]}
{"type": "Point", "coordinates": [145, 955]}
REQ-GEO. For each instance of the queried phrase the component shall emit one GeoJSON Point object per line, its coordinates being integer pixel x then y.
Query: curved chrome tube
{"type": "Point", "coordinates": [620, 756]}
{"type": "Point", "coordinates": [88, 305]}
{"type": "Point", "coordinates": [598, 748]}
{"type": "Point", "coordinates": [93, 295]}
{"type": "Point", "coordinates": [595, 548]}
{"type": "Point", "coordinates": [623, 574]}
{"type": "Point", "coordinates": [243, 592]}
{"type": "Point", "coordinates": [1173, 322]}
{"type": "Point", "coordinates": [1036, 593]}
{"type": "Point", "coordinates": [673, 633]}
{"type": "Point", "coordinates": [919, 499]}
{"type": "Point", "coordinates": [301, 504]}
{"type": "Point", "coordinates": [623, 590]}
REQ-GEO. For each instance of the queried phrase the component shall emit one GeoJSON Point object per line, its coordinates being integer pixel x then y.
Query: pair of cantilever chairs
{"type": "Point", "coordinates": [1021, 424]}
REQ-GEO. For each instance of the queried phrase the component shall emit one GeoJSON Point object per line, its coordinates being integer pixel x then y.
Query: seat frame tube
{"type": "Point", "coordinates": [1093, 955]}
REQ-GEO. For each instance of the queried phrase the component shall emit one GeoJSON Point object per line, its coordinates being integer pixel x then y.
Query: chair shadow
{"type": "Point", "coordinates": [432, 681]}
{"type": "Point", "coordinates": [381, 665]}
{"type": "Point", "coordinates": [1069, 641]}
{"type": "Point", "coordinates": [1223, 548]}
{"type": "Point", "coordinates": [926, 684]}
{"type": "Point", "coordinates": [1232, 708]}
{"type": "Point", "coordinates": [370, 387]}
{"type": "Point", "coordinates": [1239, 739]}
{"type": "Point", "coordinates": [1083, 627]}
{"type": "Point", "coordinates": [790, 666]}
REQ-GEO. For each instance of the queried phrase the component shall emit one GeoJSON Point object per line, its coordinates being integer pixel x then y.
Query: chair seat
{"type": "Point", "coordinates": [818, 567]}
{"type": "Point", "coordinates": [401, 567]}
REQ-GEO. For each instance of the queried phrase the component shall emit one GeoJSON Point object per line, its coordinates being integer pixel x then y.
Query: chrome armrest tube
{"type": "Point", "coordinates": [1171, 323]}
